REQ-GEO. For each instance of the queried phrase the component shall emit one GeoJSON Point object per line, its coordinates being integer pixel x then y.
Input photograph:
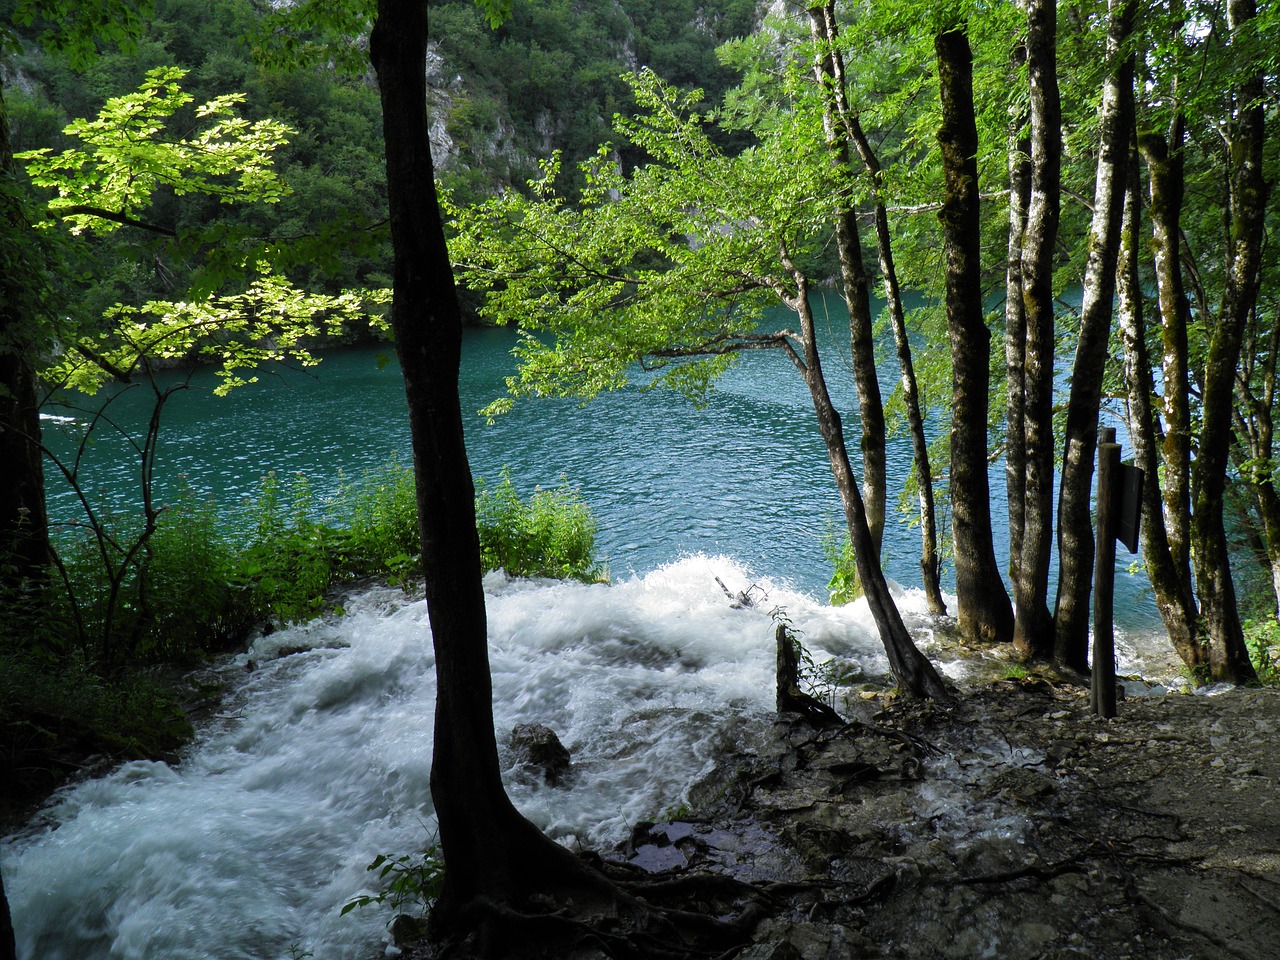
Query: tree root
{"type": "Point", "coordinates": [618, 917]}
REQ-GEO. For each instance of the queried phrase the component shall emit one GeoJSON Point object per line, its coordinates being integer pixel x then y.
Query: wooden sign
{"type": "Point", "coordinates": [1129, 515]}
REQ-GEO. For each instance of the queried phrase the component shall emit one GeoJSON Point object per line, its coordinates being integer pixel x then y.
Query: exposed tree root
{"type": "Point", "coordinates": [630, 918]}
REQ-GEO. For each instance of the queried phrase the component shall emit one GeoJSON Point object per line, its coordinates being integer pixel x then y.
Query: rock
{"type": "Point", "coordinates": [773, 950]}
{"type": "Point", "coordinates": [537, 748]}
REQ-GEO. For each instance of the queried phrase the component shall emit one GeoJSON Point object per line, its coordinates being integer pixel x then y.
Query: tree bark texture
{"type": "Point", "coordinates": [1172, 588]}
{"type": "Point", "coordinates": [984, 612]}
{"type": "Point", "coordinates": [1255, 433]}
{"type": "Point", "coordinates": [1015, 329]}
{"type": "Point", "coordinates": [930, 564]}
{"type": "Point", "coordinates": [24, 522]}
{"type": "Point", "coordinates": [1164, 159]}
{"type": "Point", "coordinates": [1228, 656]}
{"type": "Point", "coordinates": [1075, 525]}
{"type": "Point", "coordinates": [912, 670]}
{"type": "Point", "coordinates": [1033, 630]}
{"type": "Point", "coordinates": [492, 854]}
{"type": "Point", "coordinates": [829, 73]}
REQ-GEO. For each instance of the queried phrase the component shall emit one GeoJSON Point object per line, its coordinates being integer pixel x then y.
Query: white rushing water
{"type": "Point", "coordinates": [254, 842]}
{"type": "Point", "coordinates": [319, 760]}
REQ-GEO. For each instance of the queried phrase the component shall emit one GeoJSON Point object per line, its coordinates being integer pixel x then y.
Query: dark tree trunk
{"type": "Point", "coordinates": [8, 947]}
{"type": "Point", "coordinates": [24, 524]}
{"type": "Point", "coordinates": [1228, 656]}
{"type": "Point", "coordinates": [913, 671]}
{"type": "Point", "coordinates": [984, 612]}
{"type": "Point", "coordinates": [492, 854]}
{"type": "Point", "coordinates": [829, 73]}
{"type": "Point", "coordinates": [1033, 629]}
{"type": "Point", "coordinates": [1172, 590]}
{"type": "Point", "coordinates": [1015, 331]}
{"type": "Point", "coordinates": [1075, 524]}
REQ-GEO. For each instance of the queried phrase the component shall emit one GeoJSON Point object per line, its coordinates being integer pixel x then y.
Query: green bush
{"type": "Point", "coordinates": [292, 560]}
{"type": "Point", "coordinates": [53, 715]}
{"type": "Point", "coordinates": [1263, 640]}
{"type": "Point", "coordinates": [378, 517]}
{"type": "Point", "coordinates": [844, 585]}
{"type": "Point", "coordinates": [551, 534]}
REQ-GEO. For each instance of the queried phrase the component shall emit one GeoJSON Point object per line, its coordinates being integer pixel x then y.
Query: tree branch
{"type": "Point", "coordinates": [83, 210]}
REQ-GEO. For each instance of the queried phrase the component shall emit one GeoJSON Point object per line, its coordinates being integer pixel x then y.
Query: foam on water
{"type": "Point", "coordinates": [251, 846]}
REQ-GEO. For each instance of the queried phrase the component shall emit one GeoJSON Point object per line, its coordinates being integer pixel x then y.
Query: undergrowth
{"type": "Point", "coordinates": [1262, 637]}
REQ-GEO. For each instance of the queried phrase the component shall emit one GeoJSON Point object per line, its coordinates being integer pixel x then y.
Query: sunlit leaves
{"type": "Point", "coordinates": [130, 152]}
{"type": "Point", "coordinates": [660, 273]}
{"type": "Point", "coordinates": [270, 320]}
{"type": "Point", "coordinates": [129, 160]}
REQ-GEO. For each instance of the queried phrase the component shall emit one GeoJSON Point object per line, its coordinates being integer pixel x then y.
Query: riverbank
{"type": "Point", "coordinates": [1013, 825]}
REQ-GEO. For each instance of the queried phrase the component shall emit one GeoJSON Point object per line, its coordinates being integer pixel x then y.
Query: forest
{"type": "Point", "coordinates": [1065, 209]}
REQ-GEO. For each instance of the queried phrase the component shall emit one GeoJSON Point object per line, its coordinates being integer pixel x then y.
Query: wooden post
{"type": "Point", "coordinates": [1103, 699]}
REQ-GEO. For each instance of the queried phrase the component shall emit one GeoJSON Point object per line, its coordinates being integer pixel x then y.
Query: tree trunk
{"type": "Point", "coordinates": [1228, 656]}
{"type": "Point", "coordinates": [492, 854]}
{"type": "Point", "coordinates": [24, 523]}
{"type": "Point", "coordinates": [1033, 629]}
{"type": "Point", "coordinates": [1255, 432]}
{"type": "Point", "coordinates": [930, 565]}
{"type": "Point", "coordinates": [984, 612]}
{"type": "Point", "coordinates": [1015, 331]}
{"type": "Point", "coordinates": [829, 73]}
{"type": "Point", "coordinates": [1172, 590]}
{"type": "Point", "coordinates": [1075, 525]}
{"type": "Point", "coordinates": [912, 670]}
{"type": "Point", "coordinates": [1165, 172]}
{"type": "Point", "coordinates": [8, 947]}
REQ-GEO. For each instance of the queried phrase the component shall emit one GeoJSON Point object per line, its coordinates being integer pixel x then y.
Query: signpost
{"type": "Point", "coordinates": [1119, 515]}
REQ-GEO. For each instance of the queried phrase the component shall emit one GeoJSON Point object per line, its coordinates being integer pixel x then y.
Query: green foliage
{"type": "Point", "coordinates": [409, 880]}
{"type": "Point", "coordinates": [129, 153]}
{"type": "Point", "coordinates": [1262, 637]}
{"type": "Point", "coordinates": [289, 565]}
{"type": "Point", "coordinates": [125, 167]}
{"type": "Point", "coordinates": [844, 585]}
{"type": "Point", "coordinates": [377, 517]}
{"type": "Point", "coordinates": [550, 534]}
{"type": "Point", "coordinates": [52, 715]}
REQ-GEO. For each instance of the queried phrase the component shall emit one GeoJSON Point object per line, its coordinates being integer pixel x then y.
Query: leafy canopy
{"type": "Point", "coordinates": [129, 153]}
{"type": "Point", "coordinates": [671, 265]}
{"type": "Point", "coordinates": [128, 164]}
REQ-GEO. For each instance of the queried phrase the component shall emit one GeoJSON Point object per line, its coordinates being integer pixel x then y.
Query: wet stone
{"type": "Point", "coordinates": [537, 750]}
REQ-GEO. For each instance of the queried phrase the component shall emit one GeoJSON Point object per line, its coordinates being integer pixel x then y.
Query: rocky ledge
{"type": "Point", "coordinates": [1012, 825]}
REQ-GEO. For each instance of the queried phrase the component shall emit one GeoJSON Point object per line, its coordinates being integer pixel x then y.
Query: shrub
{"type": "Point", "coordinates": [1263, 640]}
{"type": "Point", "coordinates": [844, 585]}
{"type": "Point", "coordinates": [378, 517]}
{"type": "Point", "coordinates": [551, 534]}
{"type": "Point", "coordinates": [291, 561]}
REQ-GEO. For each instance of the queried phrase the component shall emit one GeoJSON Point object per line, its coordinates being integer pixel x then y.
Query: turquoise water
{"type": "Point", "coordinates": [746, 476]}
